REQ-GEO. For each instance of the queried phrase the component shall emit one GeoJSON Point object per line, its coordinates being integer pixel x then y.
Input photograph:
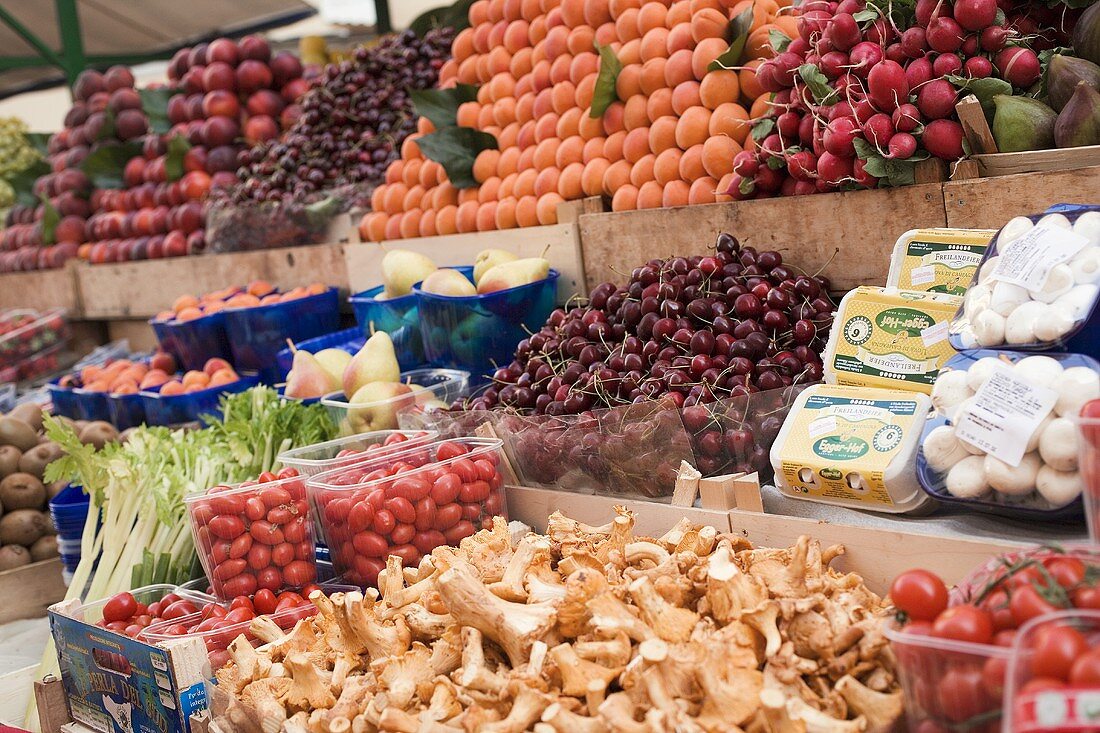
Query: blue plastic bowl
{"type": "Point", "coordinates": [126, 410]}
{"type": "Point", "coordinates": [193, 343]}
{"type": "Point", "coordinates": [350, 340]}
{"type": "Point", "coordinates": [257, 334]}
{"type": "Point", "coordinates": [188, 408]}
{"type": "Point", "coordinates": [69, 511]}
{"type": "Point", "coordinates": [65, 400]}
{"type": "Point", "coordinates": [398, 317]}
{"type": "Point", "coordinates": [478, 333]}
{"type": "Point", "coordinates": [91, 405]}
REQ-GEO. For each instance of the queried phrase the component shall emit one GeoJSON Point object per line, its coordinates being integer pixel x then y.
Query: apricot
{"type": "Point", "coordinates": [171, 388]}
{"type": "Point", "coordinates": [719, 87]}
{"type": "Point", "coordinates": [613, 118]}
{"type": "Point", "coordinates": [708, 23]}
{"type": "Point", "coordinates": [590, 127]}
{"type": "Point", "coordinates": [564, 96]}
{"type": "Point", "coordinates": [568, 123]}
{"type": "Point", "coordinates": [585, 92]}
{"type": "Point", "coordinates": [663, 134]}
{"type": "Point", "coordinates": [746, 78]}
{"type": "Point", "coordinates": [629, 82]}
{"type": "Point", "coordinates": [571, 150]}
{"type": "Point", "coordinates": [570, 182]}
{"type": "Point", "coordinates": [730, 119]}
{"type": "Point", "coordinates": [613, 146]}
{"type": "Point", "coordinates": [659, 104]}
{"type": "Point", "coordinates": [196, 377]}
{"type": "Point", "coordinates": [651, 15]}
{"type": "Point", "coordinates": [626, 25]}
{"type": "Point", "coordinates": [718, 154]}
{"type": "Point", "coordinates": [678, 69]}
{"type": "Point", "coordinates": [679, 13]}
{"type": "Point", "coordinates": [666, 167]}
{"type": "Point", "coordinates": [761, 107]}
{"type": "Point", "coordinates": [546, 152]}
{"type": "Point", "coordinates": [527, 211]}
{"type": "Point", "coordinates": [506, 213]}
{"type": "Point", "coordinates": [427, 224]}
{"type": "Point", "coordinates": [593, 175]}
{"type": "Point", "coordinates": [188, 314]}
{"type": "Point", "coordinates": [547, 210]}
{"type": "Point", "coordinates": [675, 194]}
{"type": "Point", "coordinates": [393, 226]}
{"type": "Point", "coordinates": [650, 195]}
{"type": "Point", "coordinates": [691, 164]}
{"type": "Point", "coordinates": [466, 217]}
{"type": "Point", "coordinates": [642, 171]}
{"type": "Point", "coordinates": [593, 148]}
{"type": "Point", "coordinates": [616, 176]}
{"type": "Point", "coordinates": [489, 190]}
{"type": "Point", "coordinates": [581, 38]}
{"type": "Point", "coordinates": [630, 52]}
{"type": "Point", "coordinates": [636, 144]}
{"type": "Point", "coordinates": [625, 198]}
{"type": "Point", "coordinates": [410, 224]}
{"type": "Point", "coordinates": [654, 44]}
{"type": "Point", "coordinates": [653, 75]}
{"type": "Point", "coordinates": [223, 377]}
{"type": "Point", "coordinates": [445, 220]}
{"type": "Point", "coordinates": [185, 301]}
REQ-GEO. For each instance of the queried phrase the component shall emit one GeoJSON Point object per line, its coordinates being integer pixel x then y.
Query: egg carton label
{"type": "Point", "coordinates": [1005, 413]}
{"type": "Point", "coordinates": [1028, 260]}
{"type": "Point", "coordinates": [840, 447]}
{"type": "Point", "coordinates": [941, 260]}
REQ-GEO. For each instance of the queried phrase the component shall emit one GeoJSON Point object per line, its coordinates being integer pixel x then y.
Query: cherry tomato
{"type": "Point", "coordinates": [1025, 576]}
{"type": "Point", "coordinates": [962, 694]}
{"type": "Point", "coordinates": [299, 572]}
{"type": "Point", "coordinates": [920, 594]}
{"type": "Point", "coordinates": [295, 531]}
{"type": "Point", "coordinates": [120, 607]}
{"type": "Point", "coordinates": [994, 672]}
{"type": "Point", "coordinates": [1041, 684]}
{"type": "Point", "coordinates": [1056, 651]}
{"type": "Point", "coordinates": [1086, 669]}
{"type": "Point", "coordinates": [264, 601]}
{"type": "Point", "coordinates": [179, 609]}
{"type": "Point", "coordinates": [255, 509]}
{"type": "Point", "coordinates": [996, 603]}
{"type": "Point", "coordinates": [445, 489]}
{"type": "Point", "coordinates": [266, 477]}
{"type": "Point", "coordinates": [1004, 637]}
{"type": "Point", "coordinates": [450, 449]}
{"type": "Point", "coordinates": [287, 472]}
{"type": "Point", "coordinates": [1026, 603]}
{"type": "Point", "coordinates": [1087, 597]}
{"type": "Point", "coordinates": [226, 527]}
{"type": "Point", "coordinates": [282, 555]}
{"type": "Point", "coordinates": [964, 623]}
{"type": "Point", "coordinates": [242, 585]}
{"type": "Point", "coordinates": [1068, 571]}
{"type": "Point", "coordinates": [269, 578]}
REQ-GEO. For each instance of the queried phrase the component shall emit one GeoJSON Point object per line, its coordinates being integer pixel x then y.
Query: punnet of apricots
{"type": "Point", "coordinates": [256, 293]}
{"type": "Point", "coordinates": [668, 140]}
{"type": "Point", "coordinates": [126, 376]}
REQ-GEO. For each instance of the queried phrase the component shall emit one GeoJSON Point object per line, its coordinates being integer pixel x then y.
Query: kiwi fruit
{"type": "Point", "coordinates": [67, 422]}
{"type": "Point", "coordinates": [99, 434]}
{"type": "Point", "coordinates": [9, 459]}
{"type": "Point", "coordinates": [22, 491]}
{"type": "Point", "coordinates": [37, 458]}
{"type": "Point", "coordinates": [29, 413]}
{"type": "Point", "coordinates": [14, 556]}
{"type": "Point", "coordinates": [14, 431]}
{"type": "Point", "coordinates": [79, 425]}
{"type": "Point", "coordinates": [22, 527]}
{"type": "Point", "coordinates": [44, 548]}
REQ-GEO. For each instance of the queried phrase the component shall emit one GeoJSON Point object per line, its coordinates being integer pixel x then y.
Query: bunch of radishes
{"type": "Point", "coordinates": [867, 90]}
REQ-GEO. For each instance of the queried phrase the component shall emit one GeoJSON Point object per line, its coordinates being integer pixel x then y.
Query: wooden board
{"type": "Point", "coordinates": [29, 590]}
{"type": "Point", "coordinates": [987, 203]}
{"type": "Point", "coordinates": [16, 689]}
{"type": "Point", "coordinates": [1032, 161]}
{"type": "Point", "coordinates": [42, 289]}
{"type": "Point", "coordinates": [137, 331]}
{"type": "Point", "coordinates": [143, 289]}
{"type": "Point", "coordinates": [807, 230]}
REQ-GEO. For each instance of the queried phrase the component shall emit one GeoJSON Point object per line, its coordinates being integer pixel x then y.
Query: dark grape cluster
{"type": "Point", "coordinates": [698, 329]}
{"type": "Point", "coordinates": [352, 123]}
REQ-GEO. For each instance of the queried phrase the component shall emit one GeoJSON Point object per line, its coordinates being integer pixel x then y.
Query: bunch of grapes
{"type": "Point", "coordinates": [16, 155]}
{"type": "Point", "coordinates": [352, 122]}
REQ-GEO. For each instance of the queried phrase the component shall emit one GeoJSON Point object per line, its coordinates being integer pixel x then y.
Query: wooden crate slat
{"type": "Point", "coordinates": [1038, 161]}
{"type": "Point", "coordinates": [807, 230]}
{"type": "Point", "coordinates": [29, 590]}
{"type": "Point", "coordinates": [42, 289]}
{"type": "Point", "coordinates": [987, 203]}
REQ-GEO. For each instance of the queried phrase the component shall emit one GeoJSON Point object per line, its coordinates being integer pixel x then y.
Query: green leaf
{"type": "Point", "coordinates": [775, 162]}
{"type": "Point", "coordinates": [50, 218]}
{"type": "Point", "coordinates": [23, 182]}
{"type": "Point", "coordinates": [983, 89]}
{"type": "Point", "coordinates": [739, 30]}
{"type": "Point", "coordinates": [173, 159]}
{"type": "Point", "coordinates": [818, 84]}
{"type": "Point", "coordinates": [104, 167]}
{"type": "Point", "coordinates": [746, 186]}
{"type": "Point", "coordinates": [779, 40]}
{"type": "Point", "coordinates": [455, 16]}
{"type": "Point", "coordinates": [154, 103]}
{"type": "Point", "coordinates": [891, 172]}
{"type": "Point", "coordinates": [762, 129]}
{"type": "Point", "coordinates": [605, 92]}
{"type": "Point", "coordinates": [441, 105]}
{"type": "Point", "coordinates": [870, 14]}
{"type": "Point", "coordinates": [999, 18]}
{"type": "Point", "coordinates": [456, 148]}
{"type": "Point", "coordinates": [39, 141]}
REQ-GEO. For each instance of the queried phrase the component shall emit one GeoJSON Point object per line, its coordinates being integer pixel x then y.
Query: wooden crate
{"type": "Point", "coordinates": [16, 689]}
{"type": "Point", "coordinates": [42, 289]}
{"type": "Point", "coordinates": [848, 234]}
{"type": "Point", "coordinates": [29, 590]}
{"type": "Point", "coordinates": [1037, 161]}
{"type": "Point", "coordinates": [987, 203]}
{"type": "Point", "coordinates": [143, 289]}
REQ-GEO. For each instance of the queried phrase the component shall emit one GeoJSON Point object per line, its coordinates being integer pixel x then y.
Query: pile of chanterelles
{"type": "Point", "coordinates": [586, 629]}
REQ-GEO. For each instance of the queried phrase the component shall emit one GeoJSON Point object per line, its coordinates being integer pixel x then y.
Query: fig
{"type": "Point", "coordinates": [1022, 123]}
{"type": "Point", "coordinates": [1063, 74]}
{"type": "Point", "coordinates": [1086, 35]}
{"type": "Point", "coordinates": [1078, 123]}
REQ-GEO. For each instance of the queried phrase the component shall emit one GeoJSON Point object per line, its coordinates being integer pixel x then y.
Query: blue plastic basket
{"type": "Point", "coordinates": [189, 408]}
{"type": "Point", "coordinates": [193, 343]}
{"type": "Point", "coordinates": [69, 512]}
{"type": "Point", "coordinates": [126, 410]}
{"type": "Point", "coordinates": [398, 317]}
{"type": "Point", "coordinates": [65, 400]}
{"type": "Point", "coordinates": [256, 335]}
{"type": "Point", "coordinates": [350, 340]}
{"type": "Point", "coordinates": [91, 405]}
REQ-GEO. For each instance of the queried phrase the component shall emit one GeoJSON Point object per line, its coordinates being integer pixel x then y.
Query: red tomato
{"type": "Point", "coordinates": [449, 450]}
{"type": "Point", "coordinates": [1026, 603]}
{"type": "Point", "coordinates": [264, 601]}
{"type": "Point", "coordinates": [269, 578]}
{"type": "Point", "coordinates": [1041, 684]}
{"type": "Point", "coordinates": [1056, 651]}
{"type": "Point", "coordinates": [299, 572]}
{"type": "Point", "coordinates": [962, 695]}
{"type": "Point", "coordinates": [964, 623]}
{"type": "Point", "coordinates": [920, 594]}
{"type": "Point", "coordinates": [1087, 597]}
{"type": "Point", "coordinates": [1086, 670]}
{"type": "Point", "coordinates": [287, 472]}
{"type": "Point", "coordinates": [1004, 637]}
{"type": "Point", "coordinates": [240, 602]}
{"type": "Point", "coordinates": [119, 608]}
{"type": "Point", "coordinates": [1025, 576]}
{"type": "Point", "coordinates": [1068, 571]}
{"type": "Point", "coordinates": [994, 672]}
{"type": "Point", "coordinates": [996, 603]}
{"type": "Point", "coordinates": [179, 609]}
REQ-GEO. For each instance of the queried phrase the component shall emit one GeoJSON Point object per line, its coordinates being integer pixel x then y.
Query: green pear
{"type": "Point", "coordinates": [374, 406]}
{"type": "Point", "coordinates": [308, 378]}
{"type": "Point", "coordinates": [448, 282]}
{"type": "Point", "coordinates": [375, 362]}
{"type": "Point", "coordinates": [401, 269]}
{"type": "Point", "coordinates": [335, 362]}
{"type": "Point", "coordinates": [487, 259]}
{"type": "Point", "coordinates": [513, 274]}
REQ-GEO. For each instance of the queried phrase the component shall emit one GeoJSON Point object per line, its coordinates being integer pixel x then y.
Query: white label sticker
{"type": "Point", "coordinates": [935, 333]}
{"type": "Point", "coordinates": [1005, 413]}
{"type": "Point", "coordinates": [922, 275]}
{"type": "Point", "coordinates": [1028, 260]}
{"type": "Point", "coordinates": [822, 426]}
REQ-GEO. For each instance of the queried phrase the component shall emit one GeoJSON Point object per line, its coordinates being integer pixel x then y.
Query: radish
{"type": "Point", "coordinates": [902, 146]}
{"type": "Point", "coordinates": [969, 47]}
{"type": "Point", "coordinates": [880, 32]}
{"type": "Point", "coordinates": [863, 56]}
{"type": "Point", "coordinates": [787, 188]}
{"type": "Point", "coordinates": [861, 176]}
{"type": "Point", "coordinates": [943, 139]}
{"type": "Point", "coordinates": [834, 170]}
{"type": "Point", "coordinates": [936, 99]}
{"type": "Point", "coordinates": [767, 77]}
{"type": "Point", "coordinates": [806, 130]}
{"type": "Point", "coordinates": [944, 35]}
{"type": "Point", "coordinates": [798, 46]}
{"type": "Point", "coordinates": [906, 118]}
{"type": "Point", "coordinates": [947, 63]}
{"type": "Point", "coordinates": [878, 130]}
{"type": "Point", "coordinates": [745, 164]}
{"type": "Point", "coordinates": [926, 10]}
{"type": "Point", "coordinates": [914, 43]}
{"type": "Point", "coordinates": [896, 54]}
{"type": "Point", "coordinates": [918, 72]}
{"type": "Point", "coordinates": [784, 100]}
{"type": "Point", "coordinates": [839, 135]}
{"type": "Point", "coordinates": [802, 165]}
{"type": "Point", "coordinates": [864, 111]}
{"type": "Point", "coordinates": [804, 188]}
{"type": "Point", "coordinates": [787, 124]}
{"type": "Point", "coordinates": [975, 15]}
{"type": "Point", "coordinates": [1019, 66]}
{"type": "Point", "coordinates": [887, 86]}
{"type": "Point", "coordinates": [994, 37]}
{"type": "Point", "coordinates": [772, 146]}
{"type": "Point", "coordinates": [833, 64]}
{"type": "Point", "coordinates": [850, 6]}
{"type": "Point", "coordinates": [978, 67]}
{"type": "Point", "coordinates": [767, 179]}
{"type": "Point", "coordinates": [843, 31]}
{"type": "Point", "coordinates": [735, 188]}
{"type": "Point", "coordinates": [840, 109]}
{"type": "Point", "coordinates": [811, 24]}
{"type": "Point", "coordinates": [786, 66]}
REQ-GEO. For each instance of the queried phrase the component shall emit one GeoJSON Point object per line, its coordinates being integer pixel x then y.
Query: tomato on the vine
{"type": "Point", "coordinates": [1087, 597]}
{"type": "Point", "coordinates": [1041, 684]}
{"type": "Point", "coordinates": [996, 603]}
{"type": "Point", "coordinates": [1056, 650]}
{"type": "Point", "coordinates": [920, 594]}
{"type": "Point", "coordinates": [1026, 603]}
{"type": "Point", "coordinates": [994, 672]}
{"type": "Point", "coordinates": [1086, 670]}
{"type": "Point", "coordinates": [1068, 571]}
{"type": "Point", "coordinates": [1025, 576]}
{"type": "Point", "coordinates": [962, 694]}
{"type": "Point", "coordinates": [964, 623]}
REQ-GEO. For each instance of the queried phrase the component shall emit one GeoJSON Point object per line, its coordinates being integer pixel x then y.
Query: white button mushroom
{"type": "Point", "coordinates": [1013, 230]}
{"type": "Point", "coordinates": [1007, 297]}
{"type": "Point", "coordinates": [1056, 220]}
{"type": "Point", "coordinates": [949, 390]}
{"type": "Point", "coordinates": [1021, 323]}
{"type": "Point", "coordinates": [1055, 324]}
{"type": "Point", "coordinates": [976, 300]}
{"type": "Point", "coordinates": [1058, 487]}
{"type": "Point", "coordinates": [1059, 282]}
{"type": "Point", "coordinates": [1076, 386]}
{"type": "Point", "coordinates": [987, 269]}
{"type": "Point", "coordinates": [1088, 225]}
{"type": "Point", "coordinates": [1079, 301]}
{"type": "Point", "coordinates": [942, 449]}
{"type": "Point", "coordinates": [989, 328]}
{"type": "Point", "coordinates": [1085, 265]}
{"type": "Point", "coordinates": [1033, 439]}
{"type": "Point", "coordinates": [1058, 445]}
{"type": "Point", "coordinates": [980, 371]}
{"type": "Point", "coordinates": [966, 479]}
{"type": "Point", "coordinates": [1012, 480]}
{"type": "Point", "coordinates": [1038, 370]}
